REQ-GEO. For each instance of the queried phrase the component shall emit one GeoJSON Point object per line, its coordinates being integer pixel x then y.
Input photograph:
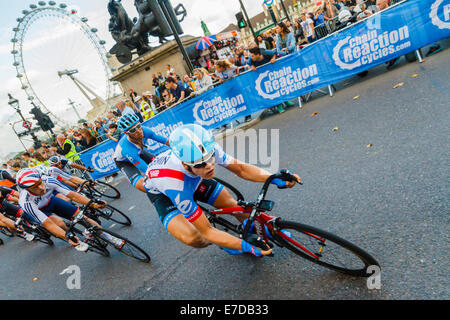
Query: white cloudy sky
{"type": "Point", "coordinates": [53, 45]}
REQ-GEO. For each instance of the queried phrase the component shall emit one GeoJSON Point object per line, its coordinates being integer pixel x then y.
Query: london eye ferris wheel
{"type": "Point", "coordinates": [51, 40]}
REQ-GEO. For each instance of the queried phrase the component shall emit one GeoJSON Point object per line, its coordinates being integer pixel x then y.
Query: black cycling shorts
{"type": "Point", "coordinates": [133, 174]}
{"type": "Point", "coordinates": [207, 192]}
{"type": "Point", "coordinates": [10, 210]}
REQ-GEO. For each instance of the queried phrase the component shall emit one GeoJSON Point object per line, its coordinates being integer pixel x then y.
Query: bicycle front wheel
{"type": "Point", "coordinates": [105, 189]}
{"type": "Point", "coordinates": [324, 248]}
{"type": "Point", "coordinates": [127, 247]}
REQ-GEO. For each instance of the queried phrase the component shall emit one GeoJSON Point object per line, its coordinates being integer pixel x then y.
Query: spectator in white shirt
{"type": "Point", "coordinates": [203, 81]}
{"type": "Point", "coordinates": [308, 28]}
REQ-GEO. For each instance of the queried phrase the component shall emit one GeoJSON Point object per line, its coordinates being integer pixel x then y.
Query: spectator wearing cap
{"type": "Point", "coordinates": [146, 109]}
{"type": "Point", "coordinates": [152, 100]}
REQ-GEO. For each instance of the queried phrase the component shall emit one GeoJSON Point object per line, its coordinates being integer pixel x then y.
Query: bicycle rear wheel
{"type": "Point", "coordinates": [105, 189]}
{"type": "Point", "coordinates": [128, 248]}
{"type": "Point", "coordinates": [324, 248]}
{"type": "Point", "coordinates": [114, 214]}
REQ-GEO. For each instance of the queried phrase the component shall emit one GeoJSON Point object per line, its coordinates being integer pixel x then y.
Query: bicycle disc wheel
{"type": "Point", "coordinates": [114, 214]}
{"type": "Point", "coordinates": [105, 189]}
{"type": "Point", "coordinates": [6, 231]}
{"type": "Point", "coordinates": [128, 248]}
{"type": "Point", "coordinates": [324, 248]}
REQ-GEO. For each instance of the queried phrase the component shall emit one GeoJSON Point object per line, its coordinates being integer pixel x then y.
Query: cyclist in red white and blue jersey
{"type": "Point", "coordinates": [132, 155]}
{"type": "Point", "coordinates": [61, 163]}
{"type": "Point", "coordinates": [40, 204]}
{"type": "Point", "coordinates": [177, 178]}
{"type": "Point", "coordinates": [68, 180]}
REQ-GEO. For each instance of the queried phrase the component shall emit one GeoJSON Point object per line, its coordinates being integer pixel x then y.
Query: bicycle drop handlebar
{"type": "Point", "coordinates": [284, 175]}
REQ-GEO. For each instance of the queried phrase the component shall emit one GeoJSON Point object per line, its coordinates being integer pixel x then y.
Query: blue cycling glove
{"type": "Point", "coordinates": [279, 183]}
{"type": "Point", "coordinates": [247, 247]}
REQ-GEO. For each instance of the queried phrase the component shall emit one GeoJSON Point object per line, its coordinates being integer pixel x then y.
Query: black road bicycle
{"type": "Point", "coordinates": [98, 243]}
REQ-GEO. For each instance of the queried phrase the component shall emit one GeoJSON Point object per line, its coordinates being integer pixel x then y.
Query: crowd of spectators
{"type": "Point", "coordinates": [170, 88]}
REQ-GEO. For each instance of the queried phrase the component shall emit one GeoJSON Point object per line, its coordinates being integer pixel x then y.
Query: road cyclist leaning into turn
{"type": "Point", "coordinates": [179, 177]}
{"type": "Point", "coordinates": [132, 155]}
{"type": "Point", "coordinates": [40, 203]}
{"type": "Point", "coordinates": [10, 210]}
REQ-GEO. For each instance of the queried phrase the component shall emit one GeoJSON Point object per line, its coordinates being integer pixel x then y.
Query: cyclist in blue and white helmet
{"type": "Point", "coordinates": [192, 144]}
{"type": "Point", "coordinates": [132, 153]}
{"type": "Point", "coordinates": [180, 177]}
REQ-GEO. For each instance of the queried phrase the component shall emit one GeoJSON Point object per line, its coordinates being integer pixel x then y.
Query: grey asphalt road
{"type": "Point", "coordinates": [392, 199]}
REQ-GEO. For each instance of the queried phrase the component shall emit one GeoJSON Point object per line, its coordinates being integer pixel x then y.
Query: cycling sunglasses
{"type": "Point", "coordinates": [202, 164]}
{"type": "Point", "coordinates": [134, 129]}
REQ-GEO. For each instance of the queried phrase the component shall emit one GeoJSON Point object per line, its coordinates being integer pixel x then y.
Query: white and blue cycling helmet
{"type": "Point", "coordinates": [43, 170]}
{"type": "Point", "coordinates": [192, 144]}
{"type": "Point", "coordinates": [127, 121]}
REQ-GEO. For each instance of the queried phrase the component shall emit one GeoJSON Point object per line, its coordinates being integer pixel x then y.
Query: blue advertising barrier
{"type": "Point", "coordinates": [382, 37]}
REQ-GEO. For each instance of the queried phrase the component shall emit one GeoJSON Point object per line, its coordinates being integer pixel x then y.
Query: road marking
{"type": "Point", "coordinates": [131, 208]}
{"type": "Point", "coordinates": [112, 226]}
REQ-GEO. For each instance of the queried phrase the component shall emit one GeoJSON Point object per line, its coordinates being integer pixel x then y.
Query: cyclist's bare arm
{"type": "Point", "coordinates": [252, 173]}
{"type": "Point", "coordinates": [14, 198]}
{"type": "Point", "coordinates": [68, 182]}
{"type": "Point", "coordinates": [77, 166]}
{"type": "Point", "coordinates": [78, 198]}
{"type": "Point", "coordinates": [7, 223]}
{"type": "Point", "coordinates": [77, 181]}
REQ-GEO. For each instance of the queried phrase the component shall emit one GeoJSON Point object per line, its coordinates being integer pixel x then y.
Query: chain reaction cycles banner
{"type": "Point", "coordinates": [384, 36]}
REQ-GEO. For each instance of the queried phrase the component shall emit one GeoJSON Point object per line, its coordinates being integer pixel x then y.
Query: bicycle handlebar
{"type": "Point", "coordinates": [284, 175]}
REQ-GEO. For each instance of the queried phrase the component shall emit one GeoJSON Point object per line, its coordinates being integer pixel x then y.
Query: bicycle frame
{"type": "Point", "coordinates": [260, 218]}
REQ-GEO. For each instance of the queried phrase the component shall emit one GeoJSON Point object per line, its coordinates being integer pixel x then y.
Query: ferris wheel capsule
{"type": "Point", "coordinates": [33, 6]}
{"type": "Point", "coordinates": [42, 3]}
{"type": "Point", "coordinates": [52, 3]}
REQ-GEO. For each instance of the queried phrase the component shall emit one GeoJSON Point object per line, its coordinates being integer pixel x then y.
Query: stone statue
{"type": "Point", "coordinates": [133, 34]}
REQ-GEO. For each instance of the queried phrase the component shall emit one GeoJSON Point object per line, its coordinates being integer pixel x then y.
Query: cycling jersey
{"type": "Point", "coordinates": [34, 206]}
{"type": "Point", "coordinates": [64, 162]}
{"type": "Point", "coordinates": [57, 173]}
{"type": "Point", "coordinates": [166, 175]}
{"type": "Point", "coordinates": [128, 151]}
